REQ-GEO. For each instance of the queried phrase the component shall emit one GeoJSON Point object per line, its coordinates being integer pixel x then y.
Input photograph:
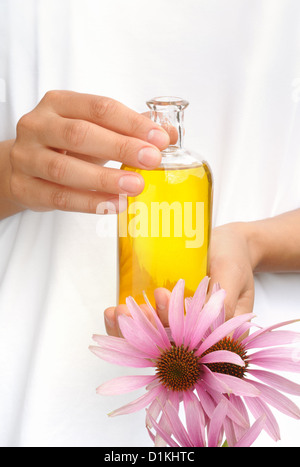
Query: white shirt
{"type": "Point", "coordinates": [238, 64]}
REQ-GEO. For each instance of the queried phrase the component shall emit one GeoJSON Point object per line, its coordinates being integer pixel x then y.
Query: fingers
{"type": "Point", "coordinates": [107, 113]}
{"type": "Point", "coordinates": [230, 266]}
{"type": "Point", "coordinates": [41, 195]}
{"type": "Point", "coordinates": [44, 179]}
{"type": "Point", "coordinates": [65, 142]}
{"type": "Point", "coordinates": [170, 129]}
{"type": "Point", "coordinates": [71, 172]}
{"type": "Point", "coordinates": [111, 314]}
{"type": "Point", "coordinates": [88, 138]}
{"type": "Point", "coordinates": [238, 283]}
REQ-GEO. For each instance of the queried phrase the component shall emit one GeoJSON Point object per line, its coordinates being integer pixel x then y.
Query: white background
{"type": "Point", "coordinates": [238, 64]}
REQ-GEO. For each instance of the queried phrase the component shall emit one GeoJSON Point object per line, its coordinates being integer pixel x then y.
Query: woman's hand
{"type": "Point", "coordinates": [230, 266]}
{"type": "Point", "coordinates": [61, 146]}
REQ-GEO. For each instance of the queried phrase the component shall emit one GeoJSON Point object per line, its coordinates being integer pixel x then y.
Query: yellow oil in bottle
{"type": "Point", "coordinates": [164, 234]}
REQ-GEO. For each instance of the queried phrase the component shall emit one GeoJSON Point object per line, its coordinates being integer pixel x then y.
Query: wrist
{"type": "Point", "coordinates": [241, 237]}
{"type": "Point", "coordinates": [255, 243]}
{"type": "Point", "coordinates": [8, 206]}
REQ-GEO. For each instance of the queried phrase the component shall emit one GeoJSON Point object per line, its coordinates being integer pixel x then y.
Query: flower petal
{"type": "Point", "coordinates": [213, 381]}
{"type": "Point", "coordinates": [252, 434]}
{"type": "Point", "coordinates": [258, 408]}
{"type": "Point", "coordinates": [124, 384]}
{"type": "Point", "coordinates": [118, 358]}
{"type": "Point", "coordinates": [162, 434]}
{"type": "Point", "coordinates": [118, 344]}
{"type": "Point", "coordinates": [179, 430]}
{"type": "Point", "coordinates": [155, 408]}
{"type": "Point", "coordinates": [206, 400]}
{"type": "Point", "coordinates": [194, 308]}
{"type": "Point", "coordinates": [208, 315]}
{"type": "Point", "coordinates": [278, 358]}
{"type": "Point", "coordinates": [223, 356]}
{"type": "Point", "coordinates": [274, 338]}
{"type": "Point", "coordinates": [238, 413]}
{"type": "Point", "coordinates": [153, 412]}
{"type": "Point", "coordinates": [195, 419]}
{"type": "Point", "coordinates": [278, 400]}
{"type": "Point", "coordinates": [221, 318]}
{"type": "Point", "coordinates": [236, 410]}
{"type": "Point", "coordinates": [138, 404]}
{"type": "Point", "coordinates": [187, 303]}
{"type": "Point", "coordinates": [176, 313]}
{"type": "Point", "coordinates": [223, 331]}
{"type": "Point", "coordinates": [276, 381]}
{"type": "Point", "coordinates": [230, 434]}
{"type": "Point", "coordinates": [216, 423]}
{"type": "Point", "coordinates": [141, 319]}
{"type": "Point", "coordinates": [267, 329]}
{"type": "Point", "coordinates": [165, 343]}
{"type": "Point", "coordinates": [238, 386]}
{"type": "Point", "coordinates": [165, 424]}
{"type": "Point", "coordinates": [137, 336]}
{"type": "Point", "coordinates": [244, 328]}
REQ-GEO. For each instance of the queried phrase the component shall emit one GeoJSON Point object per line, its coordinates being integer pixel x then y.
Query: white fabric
{"type": "Point", "coordinates": [238, 63]}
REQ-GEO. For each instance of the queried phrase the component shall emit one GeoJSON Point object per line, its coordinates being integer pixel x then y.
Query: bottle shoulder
{"type": "Point", "coordinates": [178, 159]}
{"type": "Point", "coordinates": [175, 158]}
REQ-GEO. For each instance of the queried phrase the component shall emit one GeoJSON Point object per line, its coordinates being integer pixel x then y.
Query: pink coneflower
{"type": "Point", "coordinates": [269, 384]}
{"type": "Point", "coordinates": [179, 367]}
{"type": "Point", "coordinates": [196, 432]}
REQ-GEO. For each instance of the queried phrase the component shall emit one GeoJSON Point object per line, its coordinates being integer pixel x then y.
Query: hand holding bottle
{"type": "Point", "coordinates": [56, 161]}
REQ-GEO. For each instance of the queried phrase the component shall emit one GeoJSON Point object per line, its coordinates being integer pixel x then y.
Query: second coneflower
{"type": "Point", "coordinates": [267, 348]}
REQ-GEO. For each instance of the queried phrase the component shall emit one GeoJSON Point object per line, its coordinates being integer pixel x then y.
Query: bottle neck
{"type": "Point", "coordinates": [169, 112]}
{"type": "Point", "coordinates": [172, 120]}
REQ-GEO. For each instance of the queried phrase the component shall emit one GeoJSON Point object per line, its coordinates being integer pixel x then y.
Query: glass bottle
{"type": "Point", "coordinates": [164, 234]}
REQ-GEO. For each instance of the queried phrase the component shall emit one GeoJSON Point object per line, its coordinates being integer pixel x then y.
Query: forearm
{"type": "Point", "coordinates": [7, 206]}
{"type": "Point", "coordinates": [274, 243]}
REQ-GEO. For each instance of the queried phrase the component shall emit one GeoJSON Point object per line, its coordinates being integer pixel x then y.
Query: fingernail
{"type": "Point", "coordinates": [130, 183]}
{"type": "Point", "coordinates": [159, 138]}
{"type": "Point", "coordinates": [112, 206]}
{"type": "Point", "coordinates": [149, 157]}
{"type": "Point", "coordinates": [109, 322]}
{"type": "Point", "coordinates": [160, 307]}
{"type": "Point", "coordinates": [161, 302]}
